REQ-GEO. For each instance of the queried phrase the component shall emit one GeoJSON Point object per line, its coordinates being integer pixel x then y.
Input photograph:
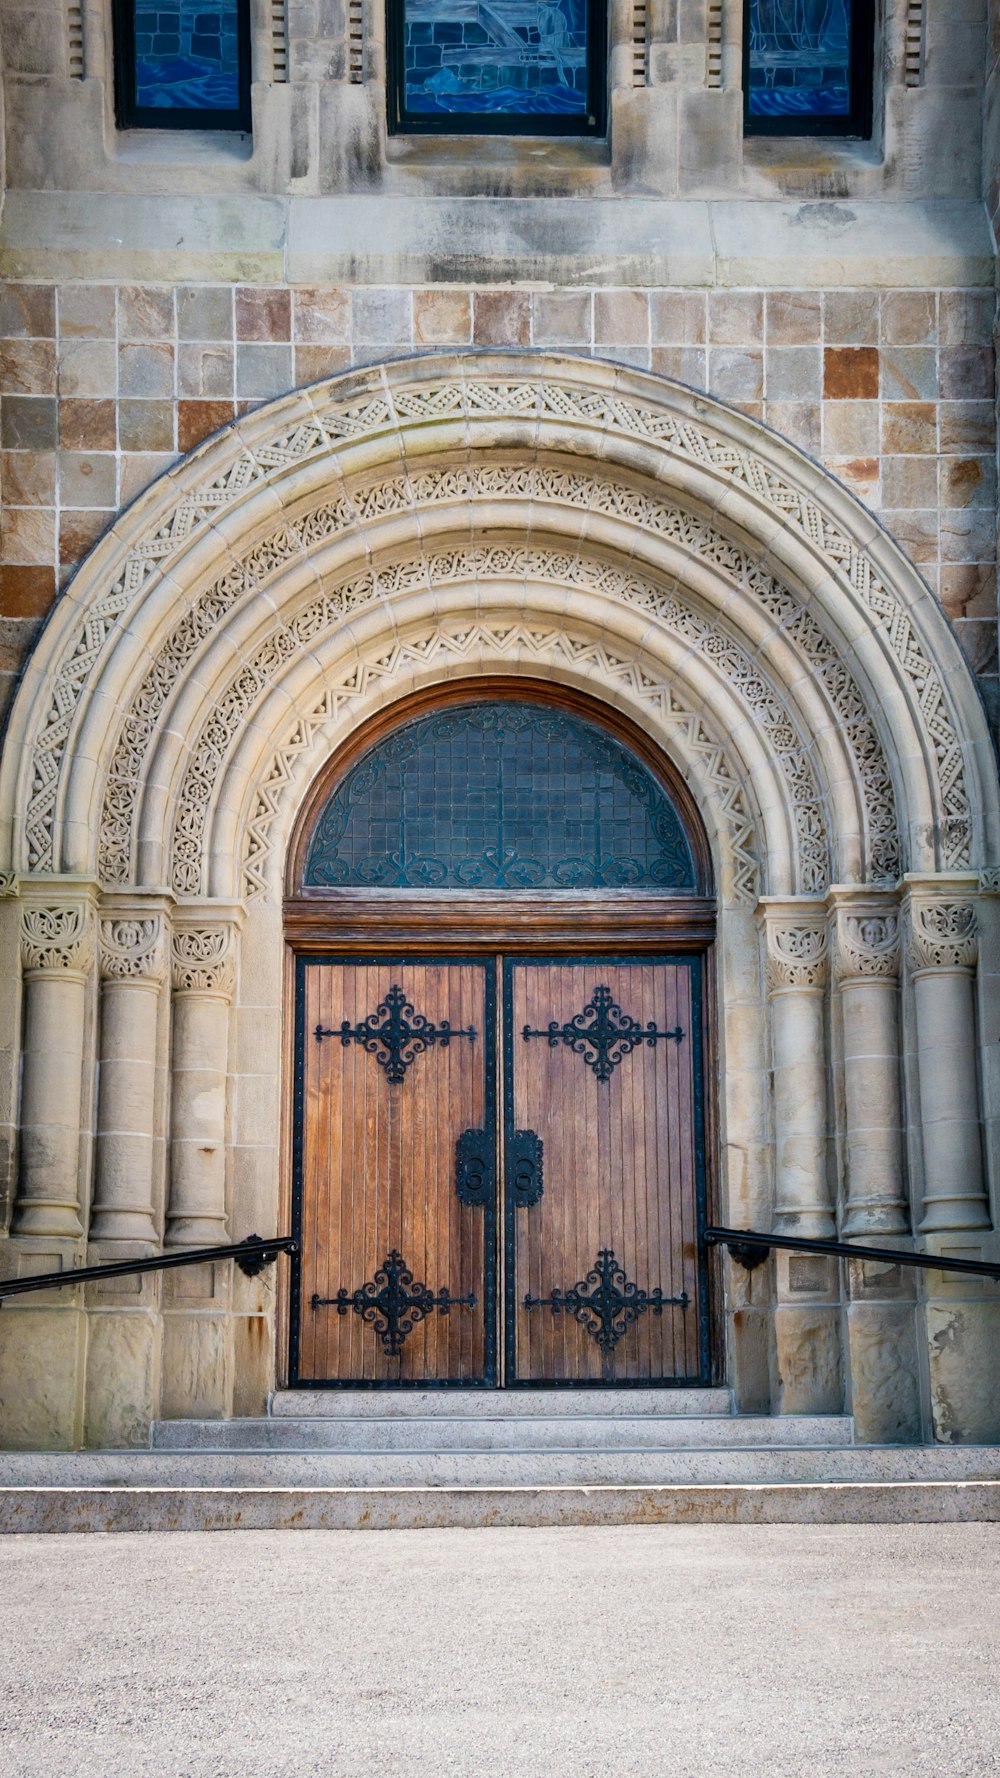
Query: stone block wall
{"type": "Point", "coordinates": [103, 385]}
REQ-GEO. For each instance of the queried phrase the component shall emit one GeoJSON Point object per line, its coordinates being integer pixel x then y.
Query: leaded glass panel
{"type": "Point", "coordinates": [500, 795]}
{"type": "Point", "coordinates": [182, 63]}
{"type": "Point", "coordinates": [808, 65]}
{"type": "Point", "coordinates": [515, 65]}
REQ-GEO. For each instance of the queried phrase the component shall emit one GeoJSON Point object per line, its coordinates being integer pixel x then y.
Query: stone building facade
{"type": "Point", "coordinates": [300, 422]}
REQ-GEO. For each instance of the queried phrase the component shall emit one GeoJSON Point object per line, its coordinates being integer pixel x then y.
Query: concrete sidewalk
{"type": "Point", "coordinates": [676, 1652]}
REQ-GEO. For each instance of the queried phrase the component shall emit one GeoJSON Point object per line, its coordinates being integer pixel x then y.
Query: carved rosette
{"type": "Point", "coordinates": [202, 960]}
{"type": "Point", "coordinates": [132, 949]}
{"type": "Point", "coordinates": [797, 954]}
{"type": "Point", "coordinates": [867, 946]}
{"type": "Point", "coordinates": [57, 940]}
{"type": "Point", "coordinates": [943, 935]}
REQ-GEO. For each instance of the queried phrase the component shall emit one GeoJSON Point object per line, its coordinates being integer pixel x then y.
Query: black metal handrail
{"type": "Point", "coordinates": [749, 1247]}
{"type": "Point", "coordinates": [251, 1255]}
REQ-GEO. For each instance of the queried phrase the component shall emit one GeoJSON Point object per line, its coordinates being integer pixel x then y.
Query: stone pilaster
{"type": "Point", "coordinates": [943, 948]}
{"type": "Point", "coordinates": [202, 958]}
{"type": "Point", "coordinates": [797, 952]}
{"type": "Point", "coordinates": [866, 955]}
{"type": "Point", "coordinates": [57, 952]}
{"type": "Point", "coordinates": [133, 968]}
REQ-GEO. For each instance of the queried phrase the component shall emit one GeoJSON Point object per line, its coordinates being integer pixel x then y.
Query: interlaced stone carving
{"type": "Point", "coordinates": [549, 403]}
{"type": "Point", "coordinates": [502, 561]}
{"type": "Point", "coordinates": [8, 884]}
{"type": "Point", "coordinates": [868, 945]}
{"type": "Point", "coordinates": [513, 641]}
{"type": "Point", "coordinates": [202, 960]}
{"type": "Point", "coordinates": [56, 938]}
{"type": "Point", "coordinates": [943, 935]}
{"type": "Point", "coordinates": [132, 949]}
{"type": "Point", "coordinates": [797, 954]}
{"type": "Point", "coordinates": [544, 484]}
{"type": "Point", "coordinates": [989, 881]}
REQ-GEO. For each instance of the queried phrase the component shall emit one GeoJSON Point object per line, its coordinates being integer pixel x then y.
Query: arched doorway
{"type": "Point", "coordinates": [499, 1122]}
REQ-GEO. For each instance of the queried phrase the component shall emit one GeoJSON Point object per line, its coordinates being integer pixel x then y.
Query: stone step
{"type": "Point", "coordinates": [498, 1469]}
{"type": "Point", "coordinates": [34, 1509]}
{"type": "Point", "coordinates": [494, 1404]}
{"type": "Point", "coordinates": [535, 1432]}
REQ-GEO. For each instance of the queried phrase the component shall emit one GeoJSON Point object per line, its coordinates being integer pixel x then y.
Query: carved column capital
{"type": "Point", "coordinates": [798, 950]}
{"type": "Point", "coordinates": [132, 948]}
{"type": "Point", "coordinates": [943, 933]}
{"type": "Point", "coordinates": [202, 958]}
{"type": "Point", "coordinates": [866, 935]}
{"type": "Point", "coordinates": [57, 938]}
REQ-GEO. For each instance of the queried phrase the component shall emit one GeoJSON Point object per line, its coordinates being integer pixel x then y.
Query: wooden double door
{"type": "Point", "coordinates": [499, 1171]}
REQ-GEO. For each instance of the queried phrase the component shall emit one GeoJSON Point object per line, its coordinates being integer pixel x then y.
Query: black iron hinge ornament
{"type": "Point", "coordinates": [392, 1303]}
{"type": "Point", "coordinates": [395, 1034]}
{"type": "Point", "coordinates": [474, 1168]}
{"type": "Point", "coordinates": [606, 1302]}
{"type": "Point", "coordinates": [603, 1034]}
{"type": "Point", "coordinates": [524, 1168]}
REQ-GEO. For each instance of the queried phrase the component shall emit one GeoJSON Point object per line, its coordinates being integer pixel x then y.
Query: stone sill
{"type": "Point", "coordinates": [181, 148]}
{"type": "Point", "coordinates": [498, 166]}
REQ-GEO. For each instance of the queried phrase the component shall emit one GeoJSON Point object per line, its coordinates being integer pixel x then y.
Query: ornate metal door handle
{"type": "Point", "coordinates": [475, 1172]}
{"type": "Point", "coordinates": [524, 1168]}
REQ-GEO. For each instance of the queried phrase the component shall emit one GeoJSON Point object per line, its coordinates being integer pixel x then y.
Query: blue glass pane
{"type": "Point", "coordinates": [800, 58]}
{"type": "Point", "coordinates": [527, 57]}
{"type": "Point", "coordinates": [499, 796]}
{"type": "Point", "coordinates": [187, 55]}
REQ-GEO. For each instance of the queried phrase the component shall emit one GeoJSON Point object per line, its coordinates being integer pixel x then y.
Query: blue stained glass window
{"type": "Point", "coordinates": [533, 65]}
{"type": "Point", "coordinates": [182, 63]}
{"type": "Point", "coordinates": [499, 795]}
{"type": "Point", "coordinates": [807, 66]}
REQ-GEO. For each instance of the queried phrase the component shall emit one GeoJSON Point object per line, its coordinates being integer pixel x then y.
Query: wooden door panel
{"type": "Point", "coordinates": [619, 1121]}
{"type": "Point", "coordinates": [378, 1211]}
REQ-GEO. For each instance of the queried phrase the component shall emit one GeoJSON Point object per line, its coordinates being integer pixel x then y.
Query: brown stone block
{"type": "Point", "coordinates": [27, 311]}
{"type": "Point", "coordinates": [621, 318]}
{"type": "Point", "coordinates": [87, 478]}
{"type": "Point", "coordinates": [205, 312]}
{"type": "Point", "coordinates": [197, 419]}
{"type": "Point", "coordinates": [28, 478]}
{"type": "Point", "coordinates": [677, 318]}
{"type": "Point", "coordinates": [145, 312]}
{"type": "Point", "coordinates": [146, 369]}
{"type": "Point", "coordinates": [969, 589]}
{"type": "Point", "coordinates": [978, 641]}
{"type": "Point", "coordinates": [968, 428]}
{"type": "Point", "coordinates": [443, 317]}
{"type": "Point", "coordinates": [860, 474]}
{"type": "Point", "coordinates": [87, 425]}
{"type": "Point", "coordinates": [322, 317]}
{"type": "Point", "coordinates": [909, 428]}
{"type": "Point", "coordinates": [968, 481]}
{"type": "Point", "coordinates": [27, 367]}
{"type": "Point", "coordinates": [146, 425]}
{"type": "Point", "coordinates": [686, 364]}
{"type": "Point", "coordinates": [968, 534]}
{"type": "Point", "coordinates": [910, 481]}
{"type": "Point", "coordinates": [87, 311]}
{"type": "Point", "coordinates": [850, 317]}
{"type": "Point", "coordinates": [88, 367]}
{"type": "Point", "coordinates": [28, 535]}
{"type": "Point", "coordinates": [850, 373]}
{"type": "Point", "coordinates": [967, 316]}
{"type": "Point", "coordinates": [909, 373]}
{"type": "Point", "coordinates": [206, 370]}
{"type": "Point", "coordinates": [793, 373]}
{"type": "Point", "coordinates": [502, 318]}
{"type": "Point", "coordinates": [139, 469]}
{"type": "Point", "coordinates": [735, 375]}
{"type": "Point", "coordinates": [967, 373]}
{"type": "Point", "coordinates": [28, 423]}
{"type": "Point", "coordinates": [26, 592]}
{"type": "Point", "coordinates": [263, 314]}
{"type": "Point", "coordinates": [850, 429]}
{"type": "Point", "coordinates": [313, 363]}
{"type": "Point", "coordinates": [915, 532]}
{"type": "Point", "coordinates": [909, 317]}
{"type": "Point", "coordinates": [798, 421]}
{"type": "Point", "coordinates": [78, 530]}
{"type": "Point", "coordinates": [793, 317]}
{"type": "Point", "coordinates": [735, 318]}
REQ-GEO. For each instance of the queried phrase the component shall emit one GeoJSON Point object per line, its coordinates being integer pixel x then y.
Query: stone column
{"type": "Point", "coordinates": [57, 947]}
{"type": "Point", "coordinates": [866, 965]}
{"type": "Point", "coordinates": [202, 978]}
{"type": "Point", "coordinates": [943, 950]}
{"type": "Point", "coordinates": [133, 967]}
{"type": "Point", "coordinates": [797, 964]}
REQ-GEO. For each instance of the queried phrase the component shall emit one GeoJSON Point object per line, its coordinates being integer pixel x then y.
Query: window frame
{"type": "Point", "coordinates": [402, 122]}
{"type": "Point", "coordinates": [130, 115]}
{"type": "Point", "coordinates": [857, 124]}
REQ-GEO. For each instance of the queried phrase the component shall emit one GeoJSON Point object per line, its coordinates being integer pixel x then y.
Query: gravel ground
{"type": "Point", "coordinates": [672, 1652]}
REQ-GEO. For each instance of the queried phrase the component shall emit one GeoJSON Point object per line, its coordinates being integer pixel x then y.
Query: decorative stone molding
{"type": "Point", "coordinates": [867, 945]}
{"type": "Point", "coordinates": [133, 949]}
{"type": "Point", "coordinates": [558, 398]}
{"type": "Point", "coordinates": [518, 642]}
{"type": "Point", "coordinates": [989, 881]}
{"type": "Point", "coordinates": [57, 939]}
{"type": "Point", "coordinates": [745, 676]}
{"type": "Point", "coordinates": [943, 935]}
{"type": "Point", "coordinates": [9, 885]}
{"type": "Point", "coordinates": [797, 953]}
{"type": "Point", "coordinates": [539, 484]}
{"type": "Point", "coordinates": [202, 959]}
